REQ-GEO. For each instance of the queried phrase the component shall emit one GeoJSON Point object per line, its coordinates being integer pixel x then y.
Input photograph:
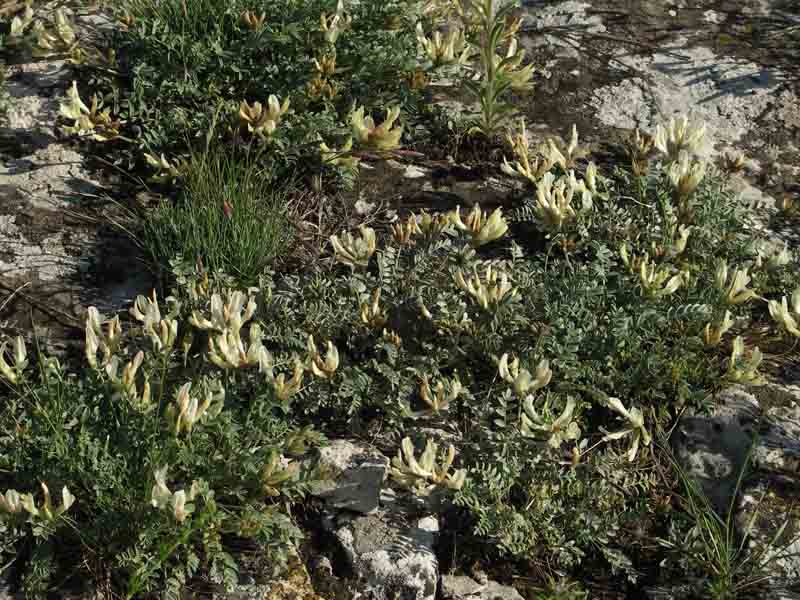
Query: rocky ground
{"type": "Point", "coordinates": [611, 66]}
{"type": "Point", "coordinates": [58, 251]}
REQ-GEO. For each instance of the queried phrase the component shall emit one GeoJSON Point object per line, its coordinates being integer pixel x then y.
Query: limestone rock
{"type": "Point", "coordinates": [390, 554]}
{"type": "Point", "coordinates": [456, 587]}
{"type": "Point", "coordinates": [771, 520]}
{"type": "Point", "coordinates": [357, 474]}
{"type": "Point", "coordinates": [713, 450]}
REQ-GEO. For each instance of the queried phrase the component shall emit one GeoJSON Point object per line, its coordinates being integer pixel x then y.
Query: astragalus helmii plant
{"type": "Point", "coordinates": [187, 428]}
{"type": "Point", "coordinates": [522, 363]}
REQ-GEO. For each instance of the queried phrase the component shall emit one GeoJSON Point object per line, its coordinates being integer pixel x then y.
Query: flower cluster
{"type": "Point", "coordinates": [262, 120]}
{"type": "Point", "coordinates": [166, 171]}
{"type": "Point", "coordinates": [332, 26]}
{"type": "Point", "coordinates": [445, 50]}
{"type": "Point", "coordinates": [787, 315]}
{"type": "Point", "coordinates": [423, 476]}
{"type": "Point", "coordinates": [481, 227]}
{"type": "Point", "coordinates": [566, 155]}
{"type": "Point", "coordinates": [380, 137]}
{"type": "Point", "coordinates": [13, 503]}
{"type": "Point", "coordinates": [530, 167]}
{"type": "Point", "coordinates": [96, 123]}
{"type": "Point", "coordinates": [679, 135]}
{"type": "Point", "coordinates": [490, 291]}
{"type": "Point", "coordinates": [355, 251]}
{"type": "Point", "coordinates": [733, 287]}
{"type": "Point", "coordinates": [521, 380]}
{"type": "Point", "coordinates": [189, 410]}
{"type": "Point", "coordinates": [743, 369]}
{"type": "Point", "coordinates": [179, 503]}
{"type": "Point", "coordinates": [635, 427]}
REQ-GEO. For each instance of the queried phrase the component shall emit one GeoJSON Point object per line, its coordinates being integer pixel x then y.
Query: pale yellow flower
{"type": "Point", "coordinates": [275, 472]}
{"type": "Point", "coordinates": [227, 350]}
{"type": "Point", "coordinates": [686, 175]}
{"type": "Point", "coordinates": [554, 202]}
{"type": "Point", "coordinates": [162, 332]}
{"type": "Point", "coordinates": [11, 502]}
{"type": "Point", "coordinates": [775, 258]}
{"type": "Point", "coordinates": [322, 367]}
{"type": "Point", "coordinates": [340, 157]}
{"type": "Point", "coordinates": [20, 24]}
{"type": "Point", "coordinates": [567, 155]}
{"type": "Point", "coordinates": [96, 340]}
{"type": "Point", "coordinates": [189, 410]}
{"type": "Point", "coordinates": [430, 225]}
{"type": "Point", "coordinates": [284, 388]}
{"type": "Point", "coordinates": [591, 179]}
{"type": "Point", "coordinates": [19, 356]}
{"type": "Point", "coordinates": [785, 315]}
{"type": "Point", "coordinates": [126, 382]}
{"type": "Point", "coordinates": [635, 427]}
{"type": "Point", "coordinates": [253, 21]}
{"type": "Point", "coordinates": [334, 25]}
{"type": "Point", "coordinates": [372, 314]}
{"type": "Point", "coordinates": [403, 232]}
{"type": "Point", "coordinates": [524, 166]}
{"type": "Point", "coordinates": [712, 333]}
{"type": "Point", "coordinates": [179, 502]}
{"type": "Point", "coordinates": [263, 120]}
{"type": "Point", "coordinates": [657, 281]}
{"type": "Point", "coordinates": [325, 64]}
{"type": "Point", "coordinates": [734, 288]}
{"type": "Point", "coordinates": [440, 399]}
{"type": "Point", "coordinates": [561, 429]}
{"type": "Point", "coordinates": [231, 314]}
{"type": "Point", "coordinates": [509, 66]}
{"type": "Point", "coordinates": [88, 120]}
{"type": "Point", "coordinates": [741, 370]}
{"type": "Point", "coordinates": [46, 511]}
{"type": "Point", "coordinates": [681, 240]}
{"type": "Point", "coordinates": [445, 50]}
{"type": "Point", "coordinates": [166, 171]}
{"type": "Point", "coordinates": [521, 380]}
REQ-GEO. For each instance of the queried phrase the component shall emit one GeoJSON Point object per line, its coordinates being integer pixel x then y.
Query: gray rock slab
{"type": "Point", "coordinates": [357, 474]}
{"type": "Point", "coordinates": [713, 450]}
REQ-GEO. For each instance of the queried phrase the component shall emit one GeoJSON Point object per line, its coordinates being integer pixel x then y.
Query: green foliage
{"type": "Point", "coordinates": [553, 358]}
{"type": "Point", "coordinates": [181, 61]}
{"type": "Point", "coordinates": [106, 437]}
{"type": "Point", "coordinates": [531, 492]}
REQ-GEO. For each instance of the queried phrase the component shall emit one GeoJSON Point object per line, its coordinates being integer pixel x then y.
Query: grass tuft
{"type": "Point", "coordinates": [228, 216]}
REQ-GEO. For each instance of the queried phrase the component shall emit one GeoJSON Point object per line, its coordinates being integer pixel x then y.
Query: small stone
{"type": "Point", "coordinates": [414, 172]}
{"type": "Point", "coordinates": [466, 588]}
